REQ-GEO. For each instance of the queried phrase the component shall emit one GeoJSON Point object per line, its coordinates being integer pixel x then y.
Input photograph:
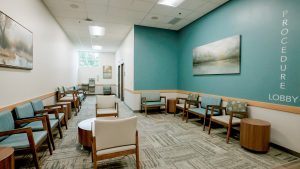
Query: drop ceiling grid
{"type": "Point", "coordinates": [119, 16]}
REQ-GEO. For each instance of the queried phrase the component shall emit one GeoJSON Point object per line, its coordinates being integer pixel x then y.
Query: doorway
{"type": "Point", "coordinates": [121, 82]}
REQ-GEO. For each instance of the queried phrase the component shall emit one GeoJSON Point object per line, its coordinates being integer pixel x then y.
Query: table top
{"type": "Point", "coordinates": [87, 124]}
{"type": "Point", "coordinates": [5, 152]}
{"type": "Point", "coordinates": [256, 122]}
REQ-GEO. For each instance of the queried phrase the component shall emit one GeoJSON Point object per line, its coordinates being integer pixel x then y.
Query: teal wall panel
{"type": "Point", "coordinates": [259, 22]}
{"type": "Point", "coordinates": [155, 58]}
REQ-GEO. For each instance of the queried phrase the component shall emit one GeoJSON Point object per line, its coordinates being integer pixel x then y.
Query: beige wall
{"type": "Point", "coordinates": [54, 56]}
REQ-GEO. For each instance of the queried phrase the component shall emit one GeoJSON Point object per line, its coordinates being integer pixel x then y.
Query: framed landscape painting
{"type": "Point", "coordinates": [107, 72]}
{"type": "Point", "coordinates": [219, 57]}
{"type": "Point", "coordinates": [16, 44]}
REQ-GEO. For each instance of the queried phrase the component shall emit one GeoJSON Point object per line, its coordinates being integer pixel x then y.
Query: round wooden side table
{"type": "Point", "coordinates": [7, 159]}
{"type": "Point", "coordinates": [255, 134]}
{"type": "Point", "coordinates": [85, 132]}
{"type": "Point", "coordinates": [171, 105]}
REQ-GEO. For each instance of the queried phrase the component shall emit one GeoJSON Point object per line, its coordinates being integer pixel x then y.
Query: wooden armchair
{"type": "Point", "coordinates": [26, 111]}
{"type": "Point", "coordinates": [231, 115]}
{"type": "Point", "coordinates": [192, 101]}
{"type": "Point", "coordinates": [152, 99]}
{"type": "Point", "coordinates": [206, 104]}
{"type": "Point", "coordinates": [114, 138]}
{"type": "Point", "coordinates": [23, 139]}
{"type": "Point", "coordinates": [106, 106]}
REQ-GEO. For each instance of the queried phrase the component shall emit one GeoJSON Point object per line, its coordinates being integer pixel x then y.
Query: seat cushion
{"type": "Point", "coordinates": [20, 141]}
{"type": "Point", "coordinates": [38, 125]}
{"type": "Point", "coordinates": [115, 149]}
{"type": "Point", "coordinates": [201, 111]}
{"type": "Point", "coordinates": [60, 116]}
{"type": "Point", "coordinates": [160, 103]}
{"type": "Point", "coordinates": [106, 111]}
{"type": "Point", "coordinates": [225, 119]}
{"type": "Point", "coordinates": [66, 98]}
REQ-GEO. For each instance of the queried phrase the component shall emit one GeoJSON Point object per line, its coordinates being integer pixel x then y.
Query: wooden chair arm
{"type": "Point", "coordinates": [43, 118]}
{"type": "Point", "coordinates": [16, 131]}
{"type": "Point", "coordinates": [57, 106]}
{"type": "Point", "coordinates": [245, 114]}
{"type": "Point", "coordinates": [54, 111]}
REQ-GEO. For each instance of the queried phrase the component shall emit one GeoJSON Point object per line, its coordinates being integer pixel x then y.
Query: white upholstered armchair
{"type": "Point", "coordinates": [106, 106]}
{"type": "Point", "coordinates": [113, 138]}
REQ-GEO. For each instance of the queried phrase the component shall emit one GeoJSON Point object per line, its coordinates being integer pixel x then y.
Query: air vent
{"type": "Point", "coordinates": [174, 21]}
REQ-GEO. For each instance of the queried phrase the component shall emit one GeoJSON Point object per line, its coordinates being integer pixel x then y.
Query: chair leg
{"type": "Point", "coordinates": [66, 124]}
{"type": "Point", "coordinates": [228, 134]}
{"type": "Point", "coordinates": [209, 127]}
{"type": "Point", "coordinates": [59, 130]}
{"type": "Point", "coordinates": [50, 135]}
{"type": "Point", "coordinates": [204, 120]}
{"type": "Point", "coordinates": [137, 159]}
{"type": "Point", "coordinates": [187, 116]}
{"type": "Point", "coordinates": [145, 110]}
{"type": "Point", "coordinates": [35, 159]}
{"type": "Point", "coordinates": [49, 145]}
{"type": "Point", "coordinates": [183, 114]}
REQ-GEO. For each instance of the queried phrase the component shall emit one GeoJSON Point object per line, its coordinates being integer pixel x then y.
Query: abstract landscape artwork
{"type": "Point", "coordinates": [16, 44]}
{"type": "Point", "coordinates": [219, 57]}
{"type": "Point", "coordinates": [107, 72]}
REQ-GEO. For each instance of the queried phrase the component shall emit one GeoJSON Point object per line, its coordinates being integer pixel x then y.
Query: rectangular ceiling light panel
{"type": "Point", "coordinates": [96, 30]}
{"type": "Point", "coordinates": [97, 47]}
{"type": "Point", "coordinates": [172, 3]}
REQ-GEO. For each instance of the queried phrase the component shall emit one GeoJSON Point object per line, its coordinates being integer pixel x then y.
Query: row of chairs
{"type": "Point", "coordinates": [74, 94]}
{"type": "Point", "coordinates": [209, 108]}
{"type": "Point", "coordinates": [31, 124]}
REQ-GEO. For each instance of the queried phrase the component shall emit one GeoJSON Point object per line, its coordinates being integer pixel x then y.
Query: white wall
{"type": "Point", "coordinates": [84, 73]}
{"type": "Point", "coordinates": [54, 56]}
{"type": "Point", "coordinates": [125, 54]}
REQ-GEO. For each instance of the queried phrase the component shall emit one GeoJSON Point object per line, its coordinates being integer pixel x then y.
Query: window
{"type": "Point", "coordinates": [89, 59]}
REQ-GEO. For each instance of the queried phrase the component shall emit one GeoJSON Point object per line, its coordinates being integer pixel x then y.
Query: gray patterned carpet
{"type": "Point", "coordinates": [166, 142]}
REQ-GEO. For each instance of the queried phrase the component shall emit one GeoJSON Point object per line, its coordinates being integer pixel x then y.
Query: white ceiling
{"type": "Point", "coordinates": [119, 16]}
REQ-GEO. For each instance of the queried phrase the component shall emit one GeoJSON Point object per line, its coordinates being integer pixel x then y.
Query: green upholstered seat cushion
{"type": "Point", "coordinates": [160, 103]}
{"type": "Point", "coordinates": [24, 111]}
{"type": "Point", "coordinates": [6, 122]}
{"type": "Point", "coordinates": [201, 111]}
{"type": "Point", "coordinates": [208, 100]}
{"type": "Point", "coordinates": [151, 96]}
{"type": "Point", "coordinates": [60, 116]}
{"type": "Point", "coordinates": [20, 141]}
{"type": "Point", "coordinates": [38, 125]}
{"type": "Point", "coordinates": [37, 105]}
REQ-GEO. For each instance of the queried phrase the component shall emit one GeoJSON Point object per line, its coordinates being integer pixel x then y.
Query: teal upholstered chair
{"type": "Point", "coordinates": [26, 111]}
{"type": "Point", "coordinates": [53, 111]}
{"type": "Point", "coordinates": [231, 116]}
{"type": "Point", "coordinates": [152, 99]}
{"type": "Point", "coordinates": [106, 90]}
{"type": "Point", "coordinates": [23, 139]}
{"type": "Point", "coordinates": [203, 110]}
{"type": "Point", "coordinates": [81, 93]}
{"type": "Point", "coordinates": [182, 103]}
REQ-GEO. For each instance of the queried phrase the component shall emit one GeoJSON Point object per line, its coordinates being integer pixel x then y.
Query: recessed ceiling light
{"type": "Point", "coordinates": [172, 3]}
{"type": "Point", "coordinates": [74, 6]}
{"type": "Point", "coordinates": [97, 47]}
{"type": "Point", "coordinates": [97, 30]}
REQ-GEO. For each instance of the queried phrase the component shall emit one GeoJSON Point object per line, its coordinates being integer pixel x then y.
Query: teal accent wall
{"type": "Point", "coordinates": [155, 58]}
{"type": "Point", "coordinates": [259, 22]}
